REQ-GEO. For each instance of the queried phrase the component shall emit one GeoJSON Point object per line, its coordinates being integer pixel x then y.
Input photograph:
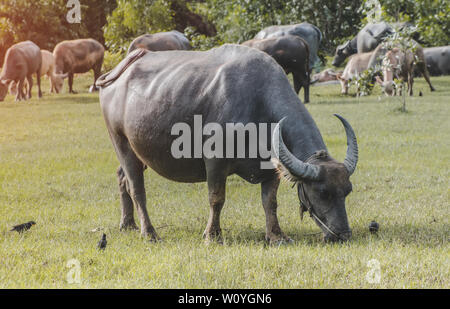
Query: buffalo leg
{"type": "Point", "coordinates": [127, 220]}
{"type": "Point", "coordinates": [71, 83]}
{"type": "Point", "coordinates": [299, 82]}
{"type": "Point", "coordinates": [97, 73]}
{"type": "Point", "coordinates": [423, 69]}
{"type": "Point", "coordinates": [134, 172]}
{"type": "Point", "coordinates": [20, 94]}
{"type": "Point", "coordinates": [269, 190]}
{"type": "Point", "coordinates": [38, 79]}
{"type": "Point", "coordinates": [216, 175]}
{"type": "Point", "coordinates": [30, 85]}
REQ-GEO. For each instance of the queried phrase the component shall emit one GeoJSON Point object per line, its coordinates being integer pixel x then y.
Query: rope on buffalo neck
{"type": "Point", "coordinates": [305, 201]}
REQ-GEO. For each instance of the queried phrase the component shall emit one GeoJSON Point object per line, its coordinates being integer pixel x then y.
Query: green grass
{"type": "Point", "coordinates": [57, 167]}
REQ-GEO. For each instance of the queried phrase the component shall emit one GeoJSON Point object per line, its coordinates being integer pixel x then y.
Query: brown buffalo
{"type": "Point", "coordinates": [172, 40]}
{"type": "Point", "coordinates": [77, 56]}
{"type": "Point", "coordinates": [418, 61]}
{"type": "Point", "coordinates": [47, 68]}
{"type": "Point", "coordinates": [399, 65]}
{"type": "Point", "coordinates": [355, 66]}
{"type": "Point", "coordinates": [21, 61]}
{"type": "Point", "coordinates": [292, 54]}
{"type": "Point", "coordinates": [327, 75]}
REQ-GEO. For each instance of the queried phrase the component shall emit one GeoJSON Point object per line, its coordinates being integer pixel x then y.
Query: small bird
{"type": "Point", "coordinates": [23, 227]}
{"type": "Point", "coordinates": [373, 227]}
{"type": "Point", "coordinates": [102, 243]}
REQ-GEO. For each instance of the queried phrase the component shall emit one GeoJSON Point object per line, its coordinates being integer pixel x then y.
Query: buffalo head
{"type": "Point", "coordinates": [58, 81]}
{"type": "Point", "coordinates": [322, 182]}
{"type": "Point", "coordinates": [3, 89]}
{"type": "Point", "coordinates": [342, 52]}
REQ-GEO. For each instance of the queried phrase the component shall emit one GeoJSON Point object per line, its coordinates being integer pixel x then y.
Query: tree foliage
{"type": "Point", "coordinates": [240, 20]}
{"type": "Point", "coordinates": [432, 18]}
{"type": "Point", "coordinates": [44, 22]}
{"type": "Point", "coordinates": [132, 18]}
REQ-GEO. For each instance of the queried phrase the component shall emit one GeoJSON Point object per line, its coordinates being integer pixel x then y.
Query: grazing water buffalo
{"type": "Point", "coordinates": [47, 68]}
{"type": "Point", "coordinates": [149, 93]}
{"type": "Point", "coordinates": [355, 66]}
{"type": "Point", "coordinates": [310, 33]}
{"type": "Point", "coordinates": [77, 56]}
{"type": "Point", "coordinates": [22, 60]}
{"type": "Point", "coordinates": [327, 75]}
{"type": "Point", "coordinates": [172, 40]}
{"type": "Point", "coordinates": [420, 62]}
{"type": "Point", "coordinates": [292, 53]}
{"type": "Point", "coordinates": [365, 41]}
{"type": "Point", "coordinates": [437, 60]}
{"type": "Point", "coordinates": [399, 65]}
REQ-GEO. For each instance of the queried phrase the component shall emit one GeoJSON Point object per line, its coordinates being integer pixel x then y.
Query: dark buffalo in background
{"type": "Point", "coordinates": [292, 54]}
{"type": "Point", "coordinates": [142, 101]}
{"type": "Point", "coordinates": [368, 38]}
{"type": "Point", "coordinates": [77, 56]}
{"type": "Point", "coordinates": [310, 33]}
{"type": "Point", "coordinates": [172, 40]}
{"type": "Point", "coordinates": [22, 60]}
{"type": "Point", "coordinates": [365, 41]}
{"type": "Point", "coordinates": [437, 60]}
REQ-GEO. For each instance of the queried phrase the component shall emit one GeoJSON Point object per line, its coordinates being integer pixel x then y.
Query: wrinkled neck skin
{"type": "Point", "coordinates": [352, 47]}
{"type": "Point", "coordinates": [59, 66]}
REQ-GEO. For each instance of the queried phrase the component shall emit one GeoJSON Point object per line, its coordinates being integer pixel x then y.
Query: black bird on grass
{"type": "Point", "coordinates": [374, 227]}
{"type": "Point", "coordinates": [102, 243]}
{"type": "Point", "coordinates": [23, 227]}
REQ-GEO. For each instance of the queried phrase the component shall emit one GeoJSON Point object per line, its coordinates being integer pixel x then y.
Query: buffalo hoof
{"type": "Point", "coordinates": [151, 235]}
{"type": "Point", "coordinates": [73, 92]}
{"type": "Point", "coordinates": [214, 236]}
{"type": "Point", "coordinates": [278, 240]}
{"type": "Point", "coordinates": [128, 226]}
{"type": "Point", "coordinates": [282, 242]}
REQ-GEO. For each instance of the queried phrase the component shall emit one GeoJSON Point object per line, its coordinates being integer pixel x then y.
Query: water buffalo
{"type": "Point", "coordinates": [399, 65]}
{"type": "Point", "coordinates": [365, 41]}
{"type": "Point", "coordinates": [437, 60]}
{"type": "Point", "coordinates": [327, 75]}
{"type": "Point", "coordinates": [47, 68]}
{"type": "Point", "coordinates": [355, 66]}
{"type": "Point", "coordinates": [310, 33]}
{"type": "Point", "coordinates": [148, 94]}
{"type": "Point", "coordinates": [22, 60]}
{"type": "Point", "coordinates": [172, 40]}
{"type": "Point", "coordinates": [77, 56]}
{"type": "Point", "coordinates": [419, 62]}
{"type": "Point", "coordinates": [292, 53]}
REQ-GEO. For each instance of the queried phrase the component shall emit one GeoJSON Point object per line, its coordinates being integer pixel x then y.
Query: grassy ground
{"type": "Point", "coordinates": [57, 167]}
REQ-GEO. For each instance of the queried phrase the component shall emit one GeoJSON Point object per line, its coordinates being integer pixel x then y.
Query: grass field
{"type": "Point", "coordinates": [57, 167]}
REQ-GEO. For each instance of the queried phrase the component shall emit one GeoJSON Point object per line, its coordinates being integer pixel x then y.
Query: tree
{"type": "Point", "coordinates": [132, 18]}
{"type": "Point", "coordinates": [44, 22]}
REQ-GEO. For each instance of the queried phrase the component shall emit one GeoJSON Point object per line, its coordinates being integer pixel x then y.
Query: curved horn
{"type": "Point", "coordinates": [351, 159]}
{"type": "Point", "coordinates": [295, 166]}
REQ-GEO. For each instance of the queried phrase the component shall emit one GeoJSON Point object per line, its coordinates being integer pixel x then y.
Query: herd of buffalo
{"type": "Point", "coordinates": [162, 82]}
